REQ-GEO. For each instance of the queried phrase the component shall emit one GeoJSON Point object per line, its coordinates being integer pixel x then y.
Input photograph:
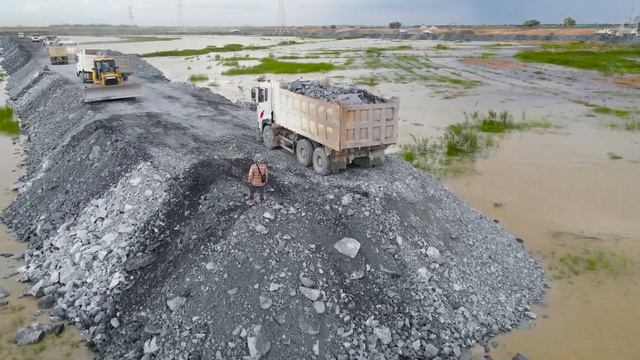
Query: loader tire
{"type": "Point", "coordinates": [267, 137]}
{"type": "Point", "coordinates": [304, 152]}
{"type": "Point", "coordinates": [321, 162]}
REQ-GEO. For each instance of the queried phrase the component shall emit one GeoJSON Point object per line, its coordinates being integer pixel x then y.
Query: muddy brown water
{"type": "Point", "coordinates": [563, 195]}
{"type": "Point", "coordinates": [22, 311]}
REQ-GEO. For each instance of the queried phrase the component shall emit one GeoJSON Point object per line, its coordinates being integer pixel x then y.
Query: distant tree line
{"type": "Point", "coordinates": [567, 22]}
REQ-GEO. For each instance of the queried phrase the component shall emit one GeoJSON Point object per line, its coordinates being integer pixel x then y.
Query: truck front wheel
{"type": "Point", "coordinates": [267, 137]}
{"type": "Point", "coordinates": [321, 161]}
{"type": "Point", "coordinates": [304, 152]}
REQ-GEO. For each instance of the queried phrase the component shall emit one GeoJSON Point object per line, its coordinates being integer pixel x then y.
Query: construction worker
{"type": "Point", "coordinates": [257, 179]}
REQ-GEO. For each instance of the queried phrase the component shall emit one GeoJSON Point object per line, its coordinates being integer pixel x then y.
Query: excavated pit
{"type": "Point", "coordinates": [135, 217]}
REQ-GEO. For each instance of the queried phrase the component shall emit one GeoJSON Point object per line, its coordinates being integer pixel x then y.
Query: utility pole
{"type": "Point", "coordinates": [282, 20]}
{"type": "Point", "coordinates": [180, 16]}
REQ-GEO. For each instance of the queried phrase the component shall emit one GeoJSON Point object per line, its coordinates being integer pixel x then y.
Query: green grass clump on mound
{"type": "Point", "coordinates": [272, 66]}
{"type": "Point", "coordinates": [7, 124]}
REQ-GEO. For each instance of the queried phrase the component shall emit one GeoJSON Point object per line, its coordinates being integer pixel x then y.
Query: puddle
{"type": "Point", "coordinates": [20, 311]}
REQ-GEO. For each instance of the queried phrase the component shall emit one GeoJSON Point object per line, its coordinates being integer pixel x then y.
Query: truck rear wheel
{"type": "Point", "coordinates": [304, 152]}
{"type": "Point", "coordinates": [321, 161]}
{"type": "Point", "coordinates": [267, 137]}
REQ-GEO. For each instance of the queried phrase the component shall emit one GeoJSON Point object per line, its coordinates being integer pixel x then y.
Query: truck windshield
{"type": "Point", "coordinates": [263, 95]}
{"type": "Point", "coordinates": [106, 66]}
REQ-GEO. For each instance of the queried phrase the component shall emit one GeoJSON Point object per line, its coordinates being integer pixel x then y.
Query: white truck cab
{"type": "Point", "coordinates": [328, 136]}
{"type": "Point", "coordinates": [261, 96]}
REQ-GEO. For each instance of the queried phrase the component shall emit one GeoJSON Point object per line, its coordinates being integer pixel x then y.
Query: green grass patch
{"type": "Point", "coordinates": [587, 56]}
{"type": "Point", "coordinates": [370, 80]}
{"type": "Point", "coordinates": [463, 141]}
{"type": "Point", "coordinates": [498, 45]}
{"type": "Point", "coordinates": [198, 78]}
{"type": "Point", "coordinates": [609, 111]}
{"type": "Point", "coordinates": [349, 62]}
{"type": "Point", "coordinates": [488, 54]}
{"type": "Point", "coordinates": [273, 66]}
{"type": "Point", "coordinates": [216, 49]}
{"type": "Point", "coordinates": [632, 125]}
{"type": "Point", "coordinates": [7, 124]}
{"type": "Point", "coordinates": [231, 63]}
{"type": "Point", "coordinates": [441, 47]}
{"type": "Point", "coordinates": [297, 57]}
{"type": "Point", "coordinates": [614, 156]}
{"type": "Point", "coordinates": [133, 39]}
{"type": "Point", "coordinates": [377, 50]}
{"type": "Point", "coordinates": [468, 84]}
{"type": "Point", "coordinates": [591, 261]}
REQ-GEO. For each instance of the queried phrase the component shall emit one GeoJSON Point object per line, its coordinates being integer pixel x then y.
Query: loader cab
{"type": "Point", "coordinates": [106, 72]}
{"type": "Point", "coordinates": [261, 96]}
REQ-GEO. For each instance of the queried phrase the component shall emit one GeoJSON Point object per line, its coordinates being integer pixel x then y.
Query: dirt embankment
{"type": "Point", "coordinates": [135, 219]}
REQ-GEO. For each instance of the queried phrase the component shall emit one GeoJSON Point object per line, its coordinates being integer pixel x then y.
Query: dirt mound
{"type": "Point", "coordinates": [135, 216]}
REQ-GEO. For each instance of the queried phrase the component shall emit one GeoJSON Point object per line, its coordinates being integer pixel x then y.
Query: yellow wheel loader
{"type": "Point", "coordinates": [107, 76]}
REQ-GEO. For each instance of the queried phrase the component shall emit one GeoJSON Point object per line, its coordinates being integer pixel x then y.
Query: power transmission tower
{"type": "Point", "coordinates": [282, 20]}
{"type": "Point", "coordinates": [131, 25]}
{"type": "Point", "coordinates": [180, 16]}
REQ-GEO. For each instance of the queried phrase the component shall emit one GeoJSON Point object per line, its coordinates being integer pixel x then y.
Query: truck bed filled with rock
{"type": "Point", "coordinates": [135, 217]}
{"type": "Point", "coordinates": [334, 94]}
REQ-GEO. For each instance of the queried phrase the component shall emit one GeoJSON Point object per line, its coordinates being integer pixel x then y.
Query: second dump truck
{"type": "Point", "coordinates": [59, 55]}
{"type": "Point", "coordinates": [328, 136]}
{"type": "Point", "coordinates": [107, 74]}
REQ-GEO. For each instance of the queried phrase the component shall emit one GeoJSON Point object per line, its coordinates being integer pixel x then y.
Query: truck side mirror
{"type": "Point", "coordinates": [253, 95]}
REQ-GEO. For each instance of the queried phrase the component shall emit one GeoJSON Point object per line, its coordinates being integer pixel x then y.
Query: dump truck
{"type": "Point", "coordinates": [107, 75]}
{"type": "Point", "coordinates": [59, 55]}
{"type": "Point", "coordinates": [328, 136]}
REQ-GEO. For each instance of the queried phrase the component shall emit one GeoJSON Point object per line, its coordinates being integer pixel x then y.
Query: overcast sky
{"type": "Point", "coordinates": [311, 12]}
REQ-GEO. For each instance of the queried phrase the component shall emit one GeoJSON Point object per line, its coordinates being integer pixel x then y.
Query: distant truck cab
{"type": "Point", "coordinates": [328, 136]}
{"type": "Point", "coordinates": [21, 35]}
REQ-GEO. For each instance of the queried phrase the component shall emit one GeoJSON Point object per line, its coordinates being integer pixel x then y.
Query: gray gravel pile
{"type": "Point", "coordinates": [139, 232]}
{"type": "Point", "coordinates": [334, 94]}
{"type": "Point", "coordinates": [86, 261]}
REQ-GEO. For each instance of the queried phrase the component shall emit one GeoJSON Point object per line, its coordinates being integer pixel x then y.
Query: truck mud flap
{"type": "Point", "coordinates": [93, 94]}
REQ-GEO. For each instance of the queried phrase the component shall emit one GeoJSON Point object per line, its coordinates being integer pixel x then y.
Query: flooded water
{"type": "Point", "coordinates": [559, 189]}
{"type": "Point", "coordinates": [563, 195]}
{"type": "Point", "coordinates": [23, 311]}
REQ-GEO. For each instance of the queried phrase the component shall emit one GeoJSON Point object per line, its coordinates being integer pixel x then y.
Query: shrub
{"type": "Point", "coordinates": [569, 21]}
{"type": "Point", "coordinates": [531, 23]}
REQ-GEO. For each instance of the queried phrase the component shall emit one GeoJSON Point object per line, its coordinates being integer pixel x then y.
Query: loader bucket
{"type": "Point", "coordinates": [93, 94]}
